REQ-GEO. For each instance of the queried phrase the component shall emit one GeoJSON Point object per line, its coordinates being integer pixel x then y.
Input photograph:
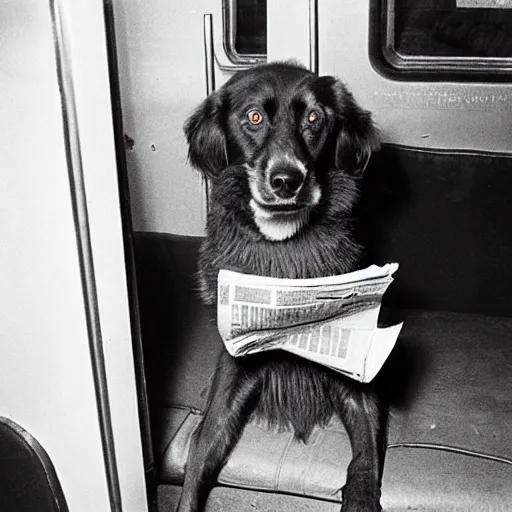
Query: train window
{"type": "Point", "coordinates": [437, 37]}
{"type": "Point", "coordinates": [245, 29]}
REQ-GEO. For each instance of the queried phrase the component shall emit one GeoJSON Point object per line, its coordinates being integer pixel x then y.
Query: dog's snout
{"type": "Point", "coordinates": [286, 183]}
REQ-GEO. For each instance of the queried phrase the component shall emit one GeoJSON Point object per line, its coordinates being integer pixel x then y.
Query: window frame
{"type": "Point", "coordinates": [229, 39]}
{"type": "Point", "coordinates": [393, 64]}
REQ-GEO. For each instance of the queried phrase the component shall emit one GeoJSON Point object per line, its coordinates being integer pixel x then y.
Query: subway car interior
{"type": "Point", "coordinates": [106, 417]}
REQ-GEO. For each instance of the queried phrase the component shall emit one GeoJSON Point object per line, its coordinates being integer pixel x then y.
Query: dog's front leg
{"type": "Point", "coordinates": [366, 423]}
{"type": "Point", "coordinates": [232, 398]}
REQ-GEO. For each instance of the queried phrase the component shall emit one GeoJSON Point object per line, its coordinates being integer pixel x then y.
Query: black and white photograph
{"type": "Point", "coordinates": [256, 255]}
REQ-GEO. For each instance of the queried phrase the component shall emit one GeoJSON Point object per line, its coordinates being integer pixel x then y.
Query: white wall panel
{"type": "Point", "coordinates": [45, 373]}
{"type": "Point", "coordinates": [288, 30]}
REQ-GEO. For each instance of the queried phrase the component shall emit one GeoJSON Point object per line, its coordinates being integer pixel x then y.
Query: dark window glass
{"type": "Point", "coordinates": [452, 28]}
{"type": "Point", "coordinates": [250, 26]}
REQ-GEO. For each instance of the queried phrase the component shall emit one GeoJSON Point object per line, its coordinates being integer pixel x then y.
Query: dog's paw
{"type": "Point", "coordinates": [186, 505]}
{"type": "Point", "coordinates": [360, 495]}
{"type": "Point", "coordinates": [361, 504]}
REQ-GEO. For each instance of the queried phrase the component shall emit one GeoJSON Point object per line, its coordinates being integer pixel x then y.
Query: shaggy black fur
{"type": "Point", "coordinates": [324, 247]}
{"type": "Point", "coordinates": [303, 151]}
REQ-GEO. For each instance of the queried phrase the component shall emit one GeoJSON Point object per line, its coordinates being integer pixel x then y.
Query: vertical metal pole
{"type": "Point", "coordinates": [209, 60]}
{"type": "Point", "coordinates": [209, 53]}
{"type": "Point", "coordinates": [313, 36]}
{"type": "Point", "coordinates": [84, 249]}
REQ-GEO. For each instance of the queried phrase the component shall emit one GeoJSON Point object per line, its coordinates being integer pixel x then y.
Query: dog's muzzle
{"type": "Point", "coordinates": [282, 201]}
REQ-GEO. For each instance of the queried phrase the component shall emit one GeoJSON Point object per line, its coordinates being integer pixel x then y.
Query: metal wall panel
{"type": "Point", "coordinates": [46, 382]}
{"type": "Point", "coordinates": [447, 115]}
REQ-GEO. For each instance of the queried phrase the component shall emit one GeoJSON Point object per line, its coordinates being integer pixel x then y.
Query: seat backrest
{"type": "Point", "coordinates": [28, 481]}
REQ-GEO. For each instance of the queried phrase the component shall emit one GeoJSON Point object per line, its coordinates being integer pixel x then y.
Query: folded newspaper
{"type": "Point", "coordinates": [330, 320]}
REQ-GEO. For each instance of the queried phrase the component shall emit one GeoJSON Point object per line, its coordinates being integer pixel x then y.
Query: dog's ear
{"type": "Point", "coordinates": [357, 137]}
{"type": "Point", "coordinates": [206, 138]}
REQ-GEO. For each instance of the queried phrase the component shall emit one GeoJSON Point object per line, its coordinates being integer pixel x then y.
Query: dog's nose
{"type": "Point", "coordinates": [286, 183]}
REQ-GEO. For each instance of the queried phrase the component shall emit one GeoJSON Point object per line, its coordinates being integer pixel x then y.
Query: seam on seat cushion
{"type": "Point", "coordinates": [311, 456]}
{"type": "Point", "coordinates": [175, 457]}
{"type": "Point", "coordinates": [281, 462]}
{"type": "Point", "coordinates": [171, 440]}
{"type": "Point", "coordinates": [434, 480]}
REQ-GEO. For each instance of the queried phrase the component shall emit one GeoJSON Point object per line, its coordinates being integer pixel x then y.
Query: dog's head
{"type": "Point", "coordinates": [279, 129]}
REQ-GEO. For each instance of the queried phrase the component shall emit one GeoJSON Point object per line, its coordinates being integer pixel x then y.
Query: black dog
{"type": "Point", "coordinates": [282, 149]}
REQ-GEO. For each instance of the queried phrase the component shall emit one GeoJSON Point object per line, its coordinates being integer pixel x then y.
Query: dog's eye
{"type": "Point", "coordinates": [313, 116]}
{"type": "Point", "coordinates": [255, 117]}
